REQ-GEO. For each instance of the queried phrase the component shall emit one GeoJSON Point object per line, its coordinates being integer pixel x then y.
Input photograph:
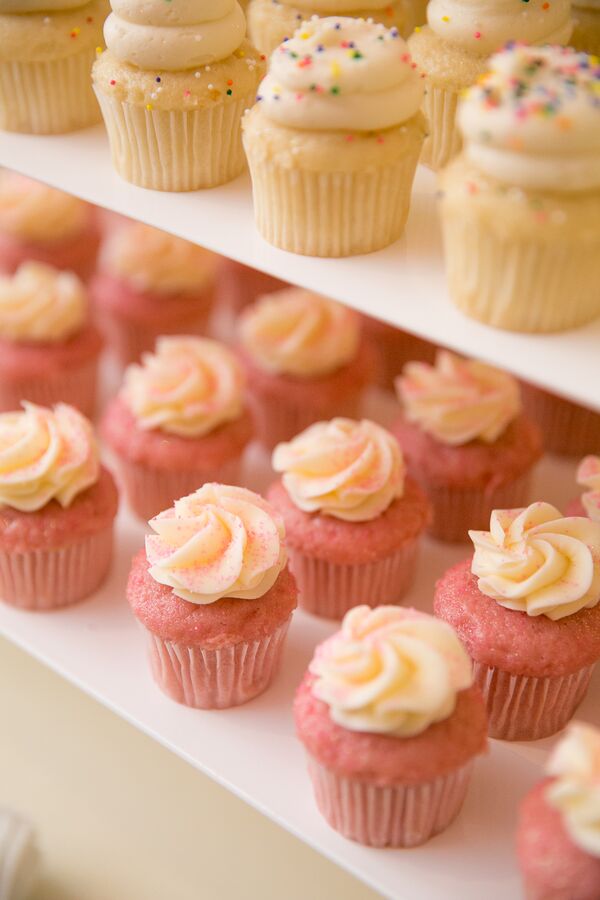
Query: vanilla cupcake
{"type": "Point", "coordinates": [334, 140]}
{"type": "Point", "coordinates": [173, 86]}
{"type": "Point", "coordinates": [454, 50]}
{"type": "Point", "coordinates": [586, 34]}
{"type": "Point", "coordinates": [47, 48]}
{"type": "Point", "coordinates": [520, 206]}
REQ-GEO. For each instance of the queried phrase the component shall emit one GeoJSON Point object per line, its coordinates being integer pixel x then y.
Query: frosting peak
{"type": "Point", "coordinates": [575, 791]}
{"type": "Point", "coordinates": [346, 469]}
{"type": "Point", "coordinates": [458, 400]}
{"type": "Point", "coordinates": [342, 73]}
{"type": "Point", "coordinates": [536, 561]}
{"type": "Point", "coordinates": [32, 211]}
{"type": "Point", "coordinates": [391, 671]}
{"type": "Point", "coordinates": [221, 541]}
{"type": "Point", "coordinates": [588, 475]}
{"type": "Point", "coordinates": [40, 303]}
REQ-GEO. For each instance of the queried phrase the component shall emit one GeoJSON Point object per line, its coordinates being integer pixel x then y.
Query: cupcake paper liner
{"type": "Point", "coordinates": [523, 708]}
{"type": "Point", "coordinates": [175, 150]}
{"type": "Point", "coordinates": [394, 816]}
{"type": "Point", "coordinates": [43, 580]}
{"type": "Point", "coordinates": [51, 97]}
{"type": "Point", "coordinates": [568, 429]}
{"type": "Point", "coordinates": [77, 386]}
{"type": "Point", "coordinates": [216, 679]}
{"type": "Point", "coordinates": [444, 140]}
{"type": "Point", "coordinates": [329, 589]}
{"type": "Point", "coordinates": [275, 422]}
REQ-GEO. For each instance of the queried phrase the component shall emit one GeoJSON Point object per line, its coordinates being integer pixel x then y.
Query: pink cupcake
{"type": "Point", "coordinates": [353, 521]}
{"type": "Point", "coordinates": [304, 360]}
{"type": "Point", "coordinates": [38, 222]}
{"type": "Point", "coordinates": [239, 285]}
{"type": "Point", "coordinates": [214, 594]}
{"type": "Point", "coordinates": [465, 441]}
{"type": "Point", "coordinates": [558, 839]}
{"type": "Point", "coordinates": [178, 421]}
{"type": "Point", "coordinates": [391, 723]}
{"type": "Point", "coordinates": [588, 476]}
{"type": "Point", "coordinates": [527, 609]}
{"type": "Point", "coordinates": [150, 283]}
{"type": "Point", "coordinates": [57, 506]}
{"type": "Point", "coordinates": [394, 348]}
{"type": "Point", "coordinates": [568, 429]}
{"type": "Point", "coordinates": [49, 351]}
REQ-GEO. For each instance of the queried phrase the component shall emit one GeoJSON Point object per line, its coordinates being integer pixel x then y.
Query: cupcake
{"type": "Point", "coordinates": [394, 348]}
{"type": "Point", "coordinates": [57, 507]}
{"type": "Point", "coordinates": [172, 86]}
{"type": "Point", "coordinates": [586, 34]}
{"type": "Point", "coordinates": [454, 50]}
{"type": "Point", "coordinates": [304, 360]}
{"type": "Point", "coordinates": [520, 204]}
{"type": "Point", "coordinates": [391, 723]}
{"type": "Point", "coordinates": [49, 351]}
{"type": "Point", "coordinates": [177, 422]}
{"type": "Point", "coordinates": [465, 441]}
{"type": "Point", "coordinates": [343, 95]}
{"type": "Point", "coordinates": [270, 22]}
{"type": "Point", "coordinates": [214, 594]}
{"type": "Point", "coordinates": [150, 283]}
{"type": "Point", "coordinates": [558, 839]}
{"type": "Point", "coordinates": [239, 285]}
{"type": "Point", "coordinates": [569, 429]}
{"type": "Point", "coordinates": [353, 521]}
{"type": "Point", "coordinates": [38, 222]}
{"type": "Point", "coordinates": [526, 606]}
{"type": "Point", "coordinates": [47, 48]}
{"type": "Point", "coordinates": [588, 476]}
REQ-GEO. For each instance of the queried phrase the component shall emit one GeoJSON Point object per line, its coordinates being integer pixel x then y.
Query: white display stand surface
{"type": "Point", "coordinates": [403, 284]}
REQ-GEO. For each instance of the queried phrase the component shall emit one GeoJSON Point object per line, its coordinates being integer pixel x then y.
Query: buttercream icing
{"type": "Point", "coordinates": [588, 475]}
{"type": "Point", "coordinates": [32, 211]}
{"type": "Point", "coordinates": [575, 790]}
{"type": "Point", "coordinates": [39, 303]}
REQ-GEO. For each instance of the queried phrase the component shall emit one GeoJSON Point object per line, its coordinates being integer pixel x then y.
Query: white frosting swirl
{"type": "Point", "coordinates": [341, 73]}
{"type": "Point", "coordinates": [189, 386]}
{"type": "Point", "coordinates": [300, 333]}
{"type": "Point", "coordinates": [458, 400]}
{"type": "Point", "coordinates": [534, 120]}
{"type": "Point", "coordinates": [40, 303]}
{"type": "Point", "coordinates": [391, 671]}
{"type": "Point", "coordinates": [174, 36]}
{"type": "Point", "coordinates": [575, 792]}
{"type": "Point", "coordinates": [536, 561]}
{"type": "Point", "coordinates": [588, 475]}
{"type": "Point", "coordinates": [484, 26]}
{"type": "Point", "coordinates": [221, 541]}
{"type": "Point", "coordinates": [45, 454]}
{"type": "Point", "coordinates": [32, 211]}
{"type": "Point", "coordinates": [350, 470]}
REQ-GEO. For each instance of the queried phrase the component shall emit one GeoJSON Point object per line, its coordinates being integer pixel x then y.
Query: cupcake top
{"type": "Point", "coordinates": [32, 211]}
{"type": "Point", "coordinates": [342, 468]}
{"type": "Point", "coordinates": [390, 670]}
{"type": "Point", "coordinates": [296, 332]}
{"type": "Point", "coordinates": [588, 475]}
{"type": "Point", "coordinates": [341, 73]}
{"type": "Point", "coordinates": [538, 562]}
{"type": "Point", "coordinates": [173, 37]}
{"type": "Point", "coordinates": [189, 386]}
{"type": "Point", "coordinates": [220, 541]}
{"type": "Point", "coordinates": [586, 4]}
{"type": "Point", "coordinates": [39, 303]}
{"type": "Point", "coordinates": [575, 790]}
{"type": "Point", "coordinates": [483, 26]}
{"type": "Point", "coordinates": [152, 260]}
{"type": "Point", "coordinates": [534, 120]}
{"type": "Point", "coordinates": [458, 400]}
{"type": "Point", "coordinates": [45, 454]}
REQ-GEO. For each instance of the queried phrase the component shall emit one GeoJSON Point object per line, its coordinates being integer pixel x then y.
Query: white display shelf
{"type": "Point", "coordinates": [404, 284]}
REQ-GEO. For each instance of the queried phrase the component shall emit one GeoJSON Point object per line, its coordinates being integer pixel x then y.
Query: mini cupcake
{"type": "Point", "coordinates": [394, 348]}
{"type": "Point", "coordinates": [172, 87]}
{"type": "Point", "coordinates": [586, 34]}
{"type": "Point", "coordinates": [455, 47]}
{"type": "Point", "coordinates": [588, 476]}
{"type": "Point", "coordinates": [238, 286]}
{"type": "Point", "coordinates": [47, 48]}
{"type": "Point", "coordinates": [270, 22]}
{"type": "Point", "coordinates": [48, 349]}
{"type": "Point", "coordinates": [304, 361]}
{"type": "Point", "coordinates": [214, 594]}
{"type": "Point", "coordinates": [38, 222]}
{"type": "Point", "coordinates": [178, 421]}
{"type": "Point", "coordinates": [57, 507]}
{"type": "Point", "coordinates": [344, 96]}
{"type": "Point", "coordinates": [391, 723]}
{"type": "Point", "coordinates": [353, 521]}
{"type": "Point", "coordinates": [527, 609]}
{"type": "Point", "coordinates": [568, 429]}
{"type": "Point", "coordinates": [558, 840]}
{"type": "Point", "coordinates": [150, 283]}
{"type": "Point", "coordinates": [465, 441]}
{"type": "Point", "coordinates": [520, 205]}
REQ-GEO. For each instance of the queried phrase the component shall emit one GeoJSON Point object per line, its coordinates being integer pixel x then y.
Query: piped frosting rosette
{"type": "Point", "coordinates": [39, 303]}
{"type": "Point", "coordinates": [575, 790]}
{"type": "Point", "coordinates": [588, 475]}
{"type": "Point", "coordinates": [32, 211]}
